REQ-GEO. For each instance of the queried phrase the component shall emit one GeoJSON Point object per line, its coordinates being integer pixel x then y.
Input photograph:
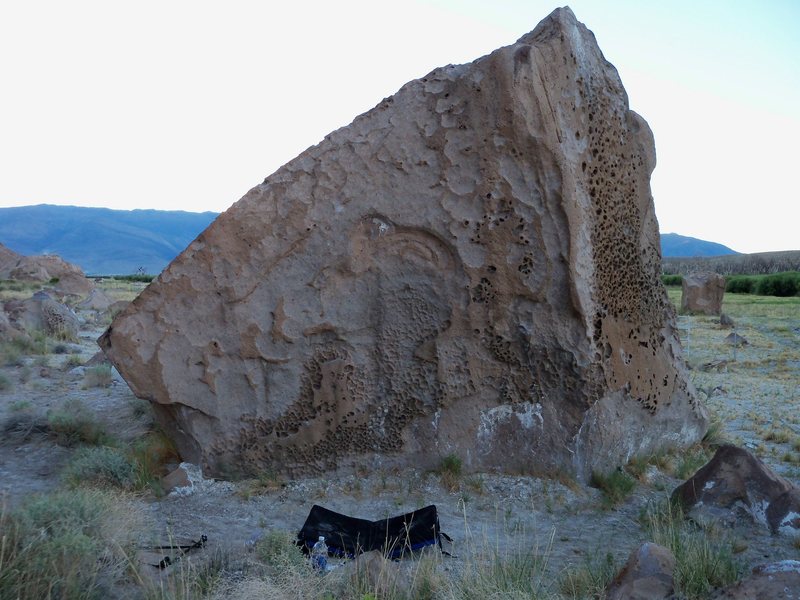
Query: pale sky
{"type": "Point", "coordinates": [185, 105]}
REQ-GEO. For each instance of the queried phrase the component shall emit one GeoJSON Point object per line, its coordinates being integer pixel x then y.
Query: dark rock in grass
{"type": "Point", "coordinates": [646, 576]}
{"type": "Point", "coordinates": [775, 581]}
{"type": "Point", "coordinates": [725, 321]}
{"type": "Point", "coordinates": [734, 339]}
{"type": "Point", "coordinates": [736, 481]}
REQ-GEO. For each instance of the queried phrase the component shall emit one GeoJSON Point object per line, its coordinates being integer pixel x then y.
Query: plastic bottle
{"type": "Point", "coordinates": [319, 555]}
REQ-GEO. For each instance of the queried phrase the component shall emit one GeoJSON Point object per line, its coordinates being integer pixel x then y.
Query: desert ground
{"type": "Point", "coordinates": [76, 440]}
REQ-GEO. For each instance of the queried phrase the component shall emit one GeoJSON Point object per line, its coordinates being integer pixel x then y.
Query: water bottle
{"type": "Point", "coordinates": [319, 555]}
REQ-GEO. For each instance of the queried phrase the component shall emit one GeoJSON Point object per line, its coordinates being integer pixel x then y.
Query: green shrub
{"type": "Point", "coordinates": [779, 284]}
{"type": "Point", "coordinates": [142, 278]}
{"type": "Point", "coordinates": [740, 284]}
{"type": "Point", "coordinates": [73, 360]}
{"type": "Point", "coordinates": [98, 376]}
{"type": "Point", "coordinates": [672, 279]}
{"type": "Point", "coordinates": [148, 455]}
{"type": "Point", "coordinates": [278, 549]}
{"type": "Point", "coordinates": [99, 465]}
{"type": "Point", "coordinates": [691, 460]}
{"type": "Point", "coordinates": [73, 424]}
{"type": "Point", "coordinates": [12, 357]}
{"type": "Point", "coordinates": [68, 545]}
{"type": "Point", "coordinates": [5, 383]}
{"type": "Point", "coordinates": [450, 472]}
{"type": "Point", "coordinates": [616, 486]}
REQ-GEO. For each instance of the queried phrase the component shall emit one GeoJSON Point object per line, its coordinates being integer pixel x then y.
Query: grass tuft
{"type": "Point", "coordinates": [588, 580]}
{"type": "Point", "coordinates": [450, 471]}
{"type": "Point", "coordinates": [74, 424]}
{"type": "Point", "coordinates": [704, 559]}
{"type": "Point", "coordinates": [616, 486]}
{"type": "Point", "coordinates": [98, 376]}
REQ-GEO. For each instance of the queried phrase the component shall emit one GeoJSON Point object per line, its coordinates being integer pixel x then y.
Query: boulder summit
{"type": "Point", "coordinates": [470, 268]}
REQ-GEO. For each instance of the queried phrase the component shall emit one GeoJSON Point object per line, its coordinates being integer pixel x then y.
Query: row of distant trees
{"type": "Point", "coordinates": [763, 263]}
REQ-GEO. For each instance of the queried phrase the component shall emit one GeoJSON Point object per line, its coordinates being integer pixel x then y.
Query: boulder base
{"type": "Point", "coordinates": [470, 268]}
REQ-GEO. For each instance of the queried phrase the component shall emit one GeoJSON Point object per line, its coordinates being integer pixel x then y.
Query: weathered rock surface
{"type": "Point", "coordinates": [8, 260]}
{"type": "Point", "coordinates": [734, 481]}
{"type": "Point", "coordinates": [775, 581]}
{"type": "Point", "coordinates": [96, 300]}
{"type": "Point", "coordinates": [472, 267]}
{"type": "Point", "coordinates": [702, 293]}
{"type": "Point", "coordinates": [43, 313]}
{"type": "Point", "coordinates": [647, 575]}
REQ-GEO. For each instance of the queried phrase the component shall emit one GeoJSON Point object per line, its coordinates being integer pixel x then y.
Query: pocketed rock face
{"type": "Point", "coordinates": [470, 268]}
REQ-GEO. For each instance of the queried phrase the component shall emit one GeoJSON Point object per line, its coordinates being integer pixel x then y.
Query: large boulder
{"type": "Point", "coordinates": [472, 267]}
{"type": "Point", "coordinates": [66, 278]}
{"type": "Point", "coordinates": [42, 313]}
{"type": "Point", "coordinates": [702, 293]}
{"type": "Point", "coordinates": [8, 260]}
{"type": "Point", "coordinates": [734, 481]}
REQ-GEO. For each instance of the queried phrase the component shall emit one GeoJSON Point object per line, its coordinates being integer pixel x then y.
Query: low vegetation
{"type": "Point", "coordinates": [450, 471]}
{"type": "Point", "coordinates": [73, 423]}
{"type": "Point", "coordinates": [139, 277]}
{"type": "Point", "coordinates": [777, 284]}
{"type": "Point", "coordinates": [616, 486]}
{"type": "Point", "coordinates": [704, 558]}
{"type": "Point", "coordinates": [98, 376]}
{"type": "Point", "coordinates": [72, 544]}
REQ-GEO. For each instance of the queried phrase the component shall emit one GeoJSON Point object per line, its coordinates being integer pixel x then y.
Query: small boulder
{"type": "Point", "coordinates": [178, 478]}
{"type": "Point", "coordinates": [736, 340]}
{"type": "Point", "coordinates": [702, 293]}
{"type": "Point", "coordinates": [725, 321]}
{"type": "Point", "coordinates": [7, 329]}
{"type": "Point", "coordinates": [646, 576]}
{"type": "Point", "coordinates": [736, 481]}
{"type": "Point", "coordinates": [775, 581]}
{"type": "Point", "coordinates": [96, 300]}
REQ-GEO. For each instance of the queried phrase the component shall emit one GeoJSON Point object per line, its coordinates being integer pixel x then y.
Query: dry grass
{"type": "Point", "coordinates": [69, 544]}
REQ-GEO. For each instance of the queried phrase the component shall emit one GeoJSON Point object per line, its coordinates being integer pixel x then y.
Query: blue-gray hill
{"type": "Point", "coordinates": [102, 241]}
{"type": "Point", "coordinates": [673, 244]}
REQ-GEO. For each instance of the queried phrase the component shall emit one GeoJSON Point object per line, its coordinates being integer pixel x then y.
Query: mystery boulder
{"type": "Point", "coordinates": [472, 267]}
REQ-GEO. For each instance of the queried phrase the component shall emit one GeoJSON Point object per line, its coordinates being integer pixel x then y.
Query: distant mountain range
{"type": "Point", "coordinates": [102, 241]}
{"type": "Point", "coordinates": [676, 245]}
{"type": "Point", "coordinates": [121, 242]}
